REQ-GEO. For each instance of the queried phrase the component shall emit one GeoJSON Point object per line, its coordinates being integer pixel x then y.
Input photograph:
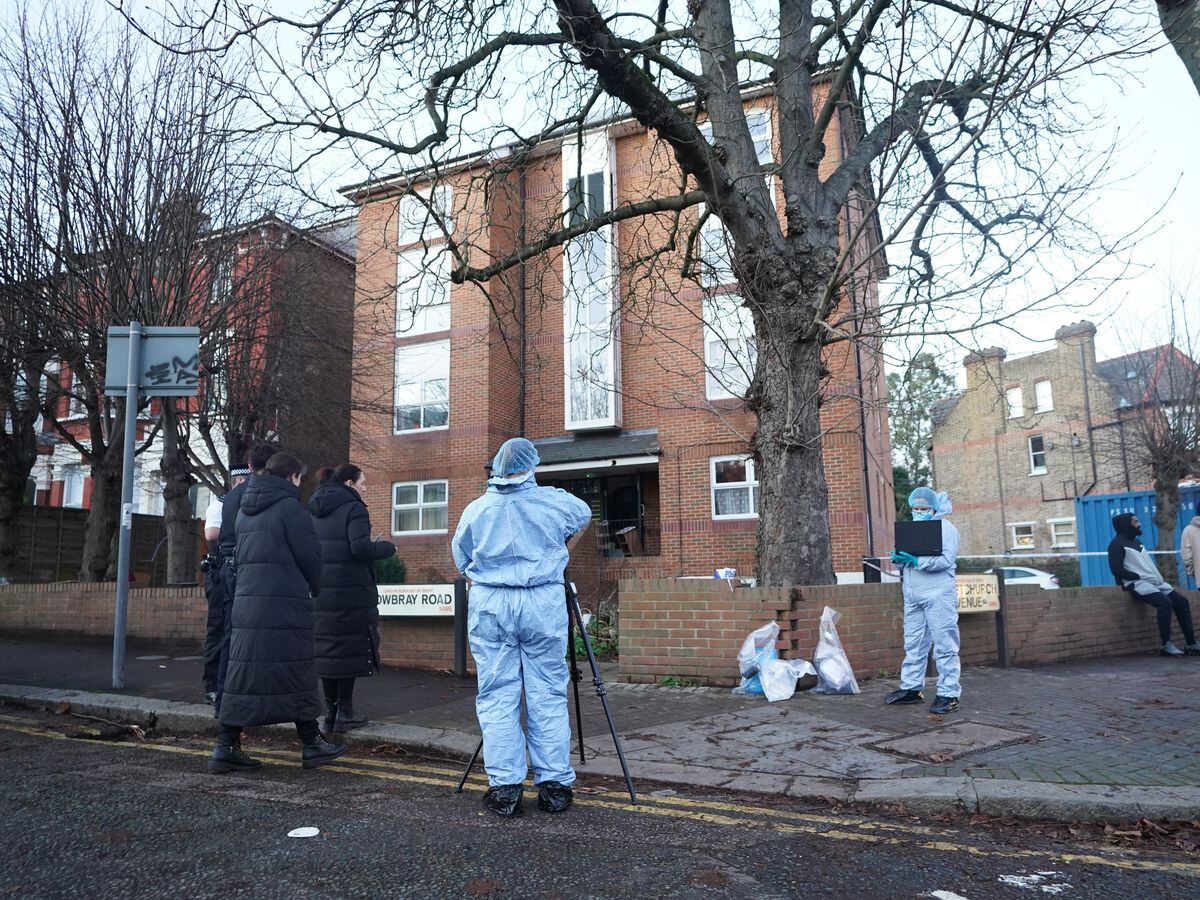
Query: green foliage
{"type": "Point", "coordinates": [672, 681]}
{"type": "Point", "coordinates": [391, 570]}
{"type": "Point", "coordinates": [910, 396]}
{"type": "Point", "coordinates": [903, 484]}
{"type": "Point", "coordinates": [604, 641]}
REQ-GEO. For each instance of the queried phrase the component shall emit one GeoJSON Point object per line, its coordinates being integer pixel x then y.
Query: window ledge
{"type": "Point", "coordinates": [403, 534]}
{"type": "Point", "coordinates": [420, 430]}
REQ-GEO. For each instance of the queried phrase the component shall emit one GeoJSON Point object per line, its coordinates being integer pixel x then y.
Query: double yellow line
{"type": "Point", "coordinates": [857, 829]}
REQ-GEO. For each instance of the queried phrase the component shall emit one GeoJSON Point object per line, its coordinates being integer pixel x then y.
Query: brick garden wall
{"type": "Point", "coordinates": [74, 612]}
{"type": "Point", "coordinates": [692, 629]}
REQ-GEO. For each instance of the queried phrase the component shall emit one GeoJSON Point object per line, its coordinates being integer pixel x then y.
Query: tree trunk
{"type": "Point", "coordinates": [1166, 514]}
{"type": "Point", "coordinates": [1181, 24]}
{"type": "Point", "coordinates": [793, 530]}
{"type": "Point", "coordinates": [181, 538]}
{"type": "Point", "coordinates": [10, 508]}
{"type": "Point", "coordinates": [101, 534]}
{"type": "Point", "coordinates": [18, 459]}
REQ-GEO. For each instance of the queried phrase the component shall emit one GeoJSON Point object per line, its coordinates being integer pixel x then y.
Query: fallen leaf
{"type": "Point", "coordinates": [482, 887]}
{"type": "Point", "coordinates": [591, 790]}
{"type": "Point", "coordinates": [940, 758]}
{"type": "Point", "coordinates": [714, 878]}
{"type": "Point", "coordinates": [934, 717]}
{"type": "Point", "coordinates": [63, 708]}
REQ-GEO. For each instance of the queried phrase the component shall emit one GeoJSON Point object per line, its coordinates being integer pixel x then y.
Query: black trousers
{"type": "Point", "coordinates": [1165, 604]}
{"type": "Point", "coordinates": [339, 691]}
{"type": "Point", "coordinates": [214, 633]}
{"type": "Point", "coordinates": [309, 732]}
{"type": "Point", "coordinates": [227, 576]}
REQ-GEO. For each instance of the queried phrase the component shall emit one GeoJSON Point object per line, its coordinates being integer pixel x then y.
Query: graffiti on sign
{"type": "Point", "coordinates": [978, 593]}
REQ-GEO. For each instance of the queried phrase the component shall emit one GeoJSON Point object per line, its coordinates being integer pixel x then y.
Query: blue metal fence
{"type": "Point", "coordinates": [1093, 522]}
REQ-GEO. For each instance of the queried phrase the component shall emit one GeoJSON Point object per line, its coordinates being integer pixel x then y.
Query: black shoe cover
{"type": "Point", "coordinates": [504, 800]}
{"type": "Point", "coordinates": [943, 705]}
{"type": "Point", "coordinates": [903, 696]}
{"type": "Point", "coordinates": [554, 797]}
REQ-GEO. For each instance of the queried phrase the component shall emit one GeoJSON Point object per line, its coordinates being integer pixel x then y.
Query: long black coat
{"type": "Point", "coordinates": [347, 610]}
{"type": "Point", "coordinates": [272, 676]}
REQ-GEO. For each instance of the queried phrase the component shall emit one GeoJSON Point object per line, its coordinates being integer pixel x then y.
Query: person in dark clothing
{"type": "Point", "coordinates": [272, 676]}
{"type": "Point", "coordinates": [347, 607]}
{"type": "Point", "coordinates": [214, 592]}
{"type": "Point", "coordinates": [226, 575]}
{"type": "Point", "coordinates": [1135, 571]}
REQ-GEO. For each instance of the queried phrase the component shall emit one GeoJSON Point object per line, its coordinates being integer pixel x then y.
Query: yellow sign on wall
{"type": "Point", "coordinates": [978, 593]}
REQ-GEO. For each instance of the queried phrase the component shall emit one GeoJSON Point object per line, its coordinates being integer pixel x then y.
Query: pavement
{"type": "Point", "coordinates": [1111, 740]}
{"type": "Point", "coordinates": [87, 817]}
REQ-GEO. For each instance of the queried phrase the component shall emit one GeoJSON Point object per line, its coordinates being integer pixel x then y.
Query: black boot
{"type": "Point", "coordinates": [347, 720]}
{"type": "Point", "coordinates": [230, 758]}
{"type": "Point", "coordinates": [331, 714]}
{"type": "Point", "coordinates": [554, 797]}
{"type": "Point", "coordinates": [318, 752]}
{"type": "Point", "coordinates": [903, 696]}
{"type": "Point", "coordinates": [504, 800]}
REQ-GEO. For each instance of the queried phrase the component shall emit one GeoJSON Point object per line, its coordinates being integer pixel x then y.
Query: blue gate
{"type": "Point", "coordinates": [1093, 521]}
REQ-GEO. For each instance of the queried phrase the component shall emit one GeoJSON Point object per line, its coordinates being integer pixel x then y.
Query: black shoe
{"type": "Point", "coordinates": [554, 797]}
{"type": "Point", "coordinates": [1169, 649]}
{"type": "Point", "coordinates": [210, 697]}
{"type": "Point", "coordinates": [942, 705]}
{"type": "Point", "coordinates": [1192, 649]}
{"type": "Point", "coordinates": [902, 697]}
{"type": "Point", "coordinates": [319, 752]}
{"type": "Point", "coordinates": [347, 720]}
{"type": "Point", "coordinates": [331, 713]}
{"type": "Point", "coordinates": [504, 800]}
{"type": "Point", "coordinates": [230, 758]}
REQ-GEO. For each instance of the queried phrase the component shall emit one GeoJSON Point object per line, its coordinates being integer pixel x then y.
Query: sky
{"type": "Point", "coordinates": [1150, 108]}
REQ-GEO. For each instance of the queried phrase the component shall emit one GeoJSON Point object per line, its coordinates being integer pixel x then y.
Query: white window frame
{"type": "Point", "coordinates": [1055, 543]}
{"type": "Point", "coordinates": [727, 325]}
{"type": "Point", "coordinates": [591, 349]}
{"type": "Point", "coordinates": [421, 276]}
{"type": "Point", "coordinates": [441, 347]}
{"type": "Point", "coordinates": [420, 505]}
{"type": "Point", "coordinates": [1017, 411]}
{"type": "Point", "coordinates": [74, 469]}
{"type": "Point", "coordinates": [750, 484]}
{"type": "Point", "coordinates": [1034, 468]}
{"type": "Point", "coordinates": [1012, 535]}
{"type": "Point", "coordinates": [415, 223]}
{"type": "Point", "coordinates": [763, 115]}
{"type": "Point", "coordinates": [1037, 396]}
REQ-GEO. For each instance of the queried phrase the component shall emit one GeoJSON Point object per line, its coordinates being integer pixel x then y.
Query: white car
{"type": "Point", "coordinates": [1023, 575]}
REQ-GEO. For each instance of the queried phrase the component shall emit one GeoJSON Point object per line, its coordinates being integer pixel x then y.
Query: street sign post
{"type": "Point", "coordinates": [163, 362]}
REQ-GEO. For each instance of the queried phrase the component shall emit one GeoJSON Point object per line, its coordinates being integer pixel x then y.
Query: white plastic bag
{"type": "Point", "coordinates": [757, 649]}
{"type": "Point", "coordinates": [779, 677]}
{"type": "Point", "coordinates": [834, 675]}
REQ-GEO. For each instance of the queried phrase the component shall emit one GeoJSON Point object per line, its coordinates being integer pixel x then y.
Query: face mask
{"type": "Point", "coordinates": [922, 515]}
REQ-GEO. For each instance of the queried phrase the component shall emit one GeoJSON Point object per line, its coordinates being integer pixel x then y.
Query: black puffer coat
{"type": "Point", "coordinates": [272, 677]}
{"type": "Point", "coordinates": [347, 620]}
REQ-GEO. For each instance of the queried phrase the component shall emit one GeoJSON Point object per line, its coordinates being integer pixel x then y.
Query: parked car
{"type": "Point", "coordinates": [1022, 575]}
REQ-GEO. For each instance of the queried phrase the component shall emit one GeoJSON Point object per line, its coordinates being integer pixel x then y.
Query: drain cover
{"type": "Point", "coordinates": [950, 742]}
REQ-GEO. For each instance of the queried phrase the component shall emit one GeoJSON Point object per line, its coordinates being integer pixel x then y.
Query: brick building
{"type": "Point", "coordinates": [1029, 435]}
{"type": "Point", "coordinates": [297, 286]}
{"type": "Point", "coordinates": [627, 375]}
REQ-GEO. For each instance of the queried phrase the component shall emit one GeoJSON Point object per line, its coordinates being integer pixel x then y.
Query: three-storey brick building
{"type": "Point", "coordinates": [626, 374]}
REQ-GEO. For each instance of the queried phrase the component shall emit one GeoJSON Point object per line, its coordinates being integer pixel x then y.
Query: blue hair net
{"type": "Point", "coordinates": [515, 455]}
{"type": "Point", "coordinates": [924, 495]}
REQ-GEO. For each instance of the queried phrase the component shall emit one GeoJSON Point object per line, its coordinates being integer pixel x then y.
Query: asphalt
{"type": "Point", "coordinates": [1114, 740]}
{"type": "Point", "coordinates": [143, 819]}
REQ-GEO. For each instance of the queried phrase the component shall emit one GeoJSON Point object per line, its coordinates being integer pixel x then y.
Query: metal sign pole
{"type": "Point", "coordinates": [131, 408]}
{"type": "Point", "coordinates": [1001, 625]}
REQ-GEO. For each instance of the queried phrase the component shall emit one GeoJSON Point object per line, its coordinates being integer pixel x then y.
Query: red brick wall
{"type": "Point", "coordinates": [692, 629]}
{"type": "Point", "coordinates": [83, 613]}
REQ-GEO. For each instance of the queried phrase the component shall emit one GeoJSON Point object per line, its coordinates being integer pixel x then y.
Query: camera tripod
{"type": "Point", "coordinates": [575, 621]}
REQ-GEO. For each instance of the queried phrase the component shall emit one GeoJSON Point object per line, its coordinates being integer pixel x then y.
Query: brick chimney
{"type": "Point", "coordinates": [1079, 334]}
{"type": "Point", "coordinates": [984, 366]}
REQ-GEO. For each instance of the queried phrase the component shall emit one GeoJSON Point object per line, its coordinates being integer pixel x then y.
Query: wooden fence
{"type": "Point", "coordinates": [50, 547]}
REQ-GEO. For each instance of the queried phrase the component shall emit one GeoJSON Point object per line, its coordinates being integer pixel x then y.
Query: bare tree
{"type": "Point", "coordinates": [1181, 24]}
{"type": "Point", "coordinates": [940, 131]}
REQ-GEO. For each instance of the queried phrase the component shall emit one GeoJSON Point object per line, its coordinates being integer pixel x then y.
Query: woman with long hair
{"type": "Point", "coordinates": [347, 611]}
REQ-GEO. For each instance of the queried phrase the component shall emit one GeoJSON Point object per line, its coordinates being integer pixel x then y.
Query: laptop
{"type": "Point", "coordinates": [919, 538]}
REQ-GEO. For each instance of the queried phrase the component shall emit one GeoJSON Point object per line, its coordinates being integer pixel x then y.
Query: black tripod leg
{"type": "Point", "coordinates": [470, 766]}
{"type": "Point", "coordinates": [576, 677]}
{"type": "Point", "coordinates": [601, 689]}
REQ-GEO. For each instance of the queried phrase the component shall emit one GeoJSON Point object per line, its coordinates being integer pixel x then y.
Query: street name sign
{"type": "Point", "coordinates": [978, 593]}
{"type": "Point", "coordinates": [416, 600]}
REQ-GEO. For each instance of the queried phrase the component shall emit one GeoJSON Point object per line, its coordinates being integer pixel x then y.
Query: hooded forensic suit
{"type": "Point", "coordinates": [931, 608]}
{"type": "Point", "coordinates": [511, 544]}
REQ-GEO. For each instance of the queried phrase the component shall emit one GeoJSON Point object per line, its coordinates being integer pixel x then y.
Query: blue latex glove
{"type": "Point", "coordinates": [904, 559]}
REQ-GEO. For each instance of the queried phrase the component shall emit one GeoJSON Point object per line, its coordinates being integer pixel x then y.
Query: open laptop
{"type": "Point", "coordinates": [919, 538]}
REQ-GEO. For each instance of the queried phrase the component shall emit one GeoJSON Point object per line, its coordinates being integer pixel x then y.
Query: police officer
{"type": "Point", "coordinates": [226, 545]}
{"type": "Point", "coordinates": [214, 591]}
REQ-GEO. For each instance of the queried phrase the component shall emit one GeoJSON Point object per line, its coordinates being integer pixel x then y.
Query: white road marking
{"type": "Point", "coordinates": [1046, 882]}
